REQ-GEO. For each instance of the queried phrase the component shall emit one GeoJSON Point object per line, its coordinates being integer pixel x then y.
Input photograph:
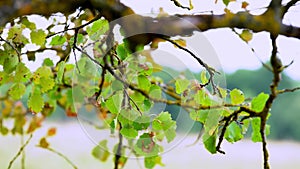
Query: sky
{"type": "Point", "coordinates": [231, 52]}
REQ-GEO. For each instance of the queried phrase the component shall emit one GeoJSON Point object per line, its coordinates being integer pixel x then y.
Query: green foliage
{"type": "Point", "coordinates": [60, 72]}
{"type": "Point", "coordinates": [113, 104]}
{"type": "Point", "coordinates": [204, 78]}
{"type": "Point", "coordinates": [255, 123]}
{"type": "Point", "coordinates": [122, 51]}
{"type": "Point", "coordinates": [120, 89]}
{"type": "Point", "coordinates": [36, 101]}
{"type": "Point", "coordinates": [181, 85]}
{"type": "Point", "coordinates": [150, 162]}
{"type": "Point", "coordinates": [17, 90]}
{"type": "Point", "coordinates": [145, 146]}
{"type": "Point", "coordinates": [237, 96]}
{"type": "Point", "coordinates": [258, 102]}
{"type": "Point", "coordinates": [98, 28]}
{"type": "Point", "coordinates": [164, 124]}
{"type": "Point", "coordinates": [233, 133]}
{"type": "Point", "coordinates": [43, 77]}
{"type": "Point", "coordinates": [101, 152]}
{"type": "Point", "coordinates": [58, 40]}
{"type": "Point", "coordinates": [144, 83]}
{"type": "Point", "coordinates": [23, 74]}
{"type": "Point", "coordinates": [209, 142]}
{"type": "Point", "coordinates": [38, 37]}
{"type": "Point", "coordinates": [10, 63]}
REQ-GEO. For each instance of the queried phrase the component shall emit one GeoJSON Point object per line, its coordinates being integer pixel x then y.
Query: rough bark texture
{"type": "Point", "coordinates": [270, 21]}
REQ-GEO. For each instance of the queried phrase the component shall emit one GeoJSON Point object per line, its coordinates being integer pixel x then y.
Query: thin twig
{"type": "Point", "coordinates": [288, 90]}
{"type": "Point", "coordinates": [12, 46]}
{"type": "Point", "coordinates": [19, 152]}
{"type": "Point", "coordinates": [76, 28]}
{"type": "Point", "coordinates": [23, 153]}
{"type": "Point", "coordinates": [178, 4]}
{"type": "Point", "coordinates": [60, 155]}
{"type": "Point", "coordinates": [209, 69]}
{"type": "Point", "coordinates": [288, 6]}
{"type": "Point", "coordinates": [136, 106]}
{"type": "Point", "coordinates": [254, 52]}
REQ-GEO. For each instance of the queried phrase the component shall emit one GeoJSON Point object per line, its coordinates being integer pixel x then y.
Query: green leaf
{"type": "Point", "coordinates": [129, 133]}
{"type": "Point", "coordinates": [237, 96]}
{"type": "Point", "coordinates": [155, 91]}
{"type": "Point", "coordinates": [4, 55]}
{"type": "Point", "coordinates": [146, 105]}
{"type": "Point", "coordinates": [199, 115]}
{"type": "Point", "coordinates": [121, 51]}
{"type": "Point", "coordinates": [226, 2]}
{"type": "Point", "coordinates": [87, 68]}
{"type": "Point", "coordinates": [223, 92]}
{"type": "Point", "coordinates": [28, 24]}
{"type": "Point", "coordinates": [145, 146]}
{"type": "Point", "coordinates": [258, 103]}
{"type": "Point", "coordinates": [60, 71]}
{"type": "Point", "coordinates": [144, 83]}
{"type": "Point", "coordinates": [114, 103]}
{"type": "Point", "coordinates": [4, 77]}
{"type": "Point", "coordinates": [80, 39]}
{"type": "Point", "coordinates": [43, 71]}
{"type": "Point", "coordinates": [17, 90]}
{"type": "Point", "coordinates": [38, 37]}
{"type": "Point", "coordinates": [212, 121]}
{"type": "Point", "coordinates": [267, 129]}
{"type": "Point", "coordinates": [46, 84]}
{"type": "Point", "coordinates": [181, 85]}
{"type": "Point", "coordinates": [202, 98]}
{"type": "Point", "coordinates": [165, 123]}
{"type": "Point", "coordinates": [127, 117]}
{"type": "Point", "coordinates": [256, 136]}
{"type": "Point", "coordinates": [101, 152]}
{"type": "Point", "coordinates": [78, 94]}
{"type": "Point", "coordinates": [245, 126]}
{"type": "Point", "coordinates": [36, 101]}
{"type": "Point", "coordinates": [209, 142]}
{"type": "Point", "coordinates": [23, 74]}
{"type": "Point", "coordinates": [10, 63]}
{"type": "Point", "coordinates": [43, 77]}
{"type": "Point", "coordinates": [137, 97]}
{"type": "Point", "coordinates": [16, 33]}
{"type": "Point", "coordinates": [141, 122]}
{"type": "Point", "coordinates": [48, 62]}
{"type": "Point", "coordinates": [117, 85]}
{"type": "Point", "coordinates": [98, 28]}
{"type": "Point", "coordinates": [233, 133]}
{"type": "Point", "coordinates": [203, 76]}
{"type": "Point", "coordinates": [150, 162]}
{"type": "Point", "coordinates": [58, 40]}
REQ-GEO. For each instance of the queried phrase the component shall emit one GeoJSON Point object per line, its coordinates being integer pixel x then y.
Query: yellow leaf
{"type": "Point", "coordinates": [43, 143]}
{"type": "Point", "coordinates": [180, 42]}
{"type": "Point", "coordinates": [246, 35]}
{"type": "Point", "coordinates": [51, 132]}
{"type": "Point", "coordinates": [244, 4]}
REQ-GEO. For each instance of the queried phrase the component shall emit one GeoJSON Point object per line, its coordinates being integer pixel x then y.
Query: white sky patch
{"type": "Point", "coordinates": [232, 52]}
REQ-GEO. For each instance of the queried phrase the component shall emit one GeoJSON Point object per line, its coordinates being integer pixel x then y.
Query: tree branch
{"type": "Point", "coordinates": [170, 25]}
{"type": "Point", "coordinates": [288, 6]}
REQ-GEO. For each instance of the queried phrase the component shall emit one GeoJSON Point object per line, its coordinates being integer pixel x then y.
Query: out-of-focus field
{"type": "Point", "coordinates": [73, 142]}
